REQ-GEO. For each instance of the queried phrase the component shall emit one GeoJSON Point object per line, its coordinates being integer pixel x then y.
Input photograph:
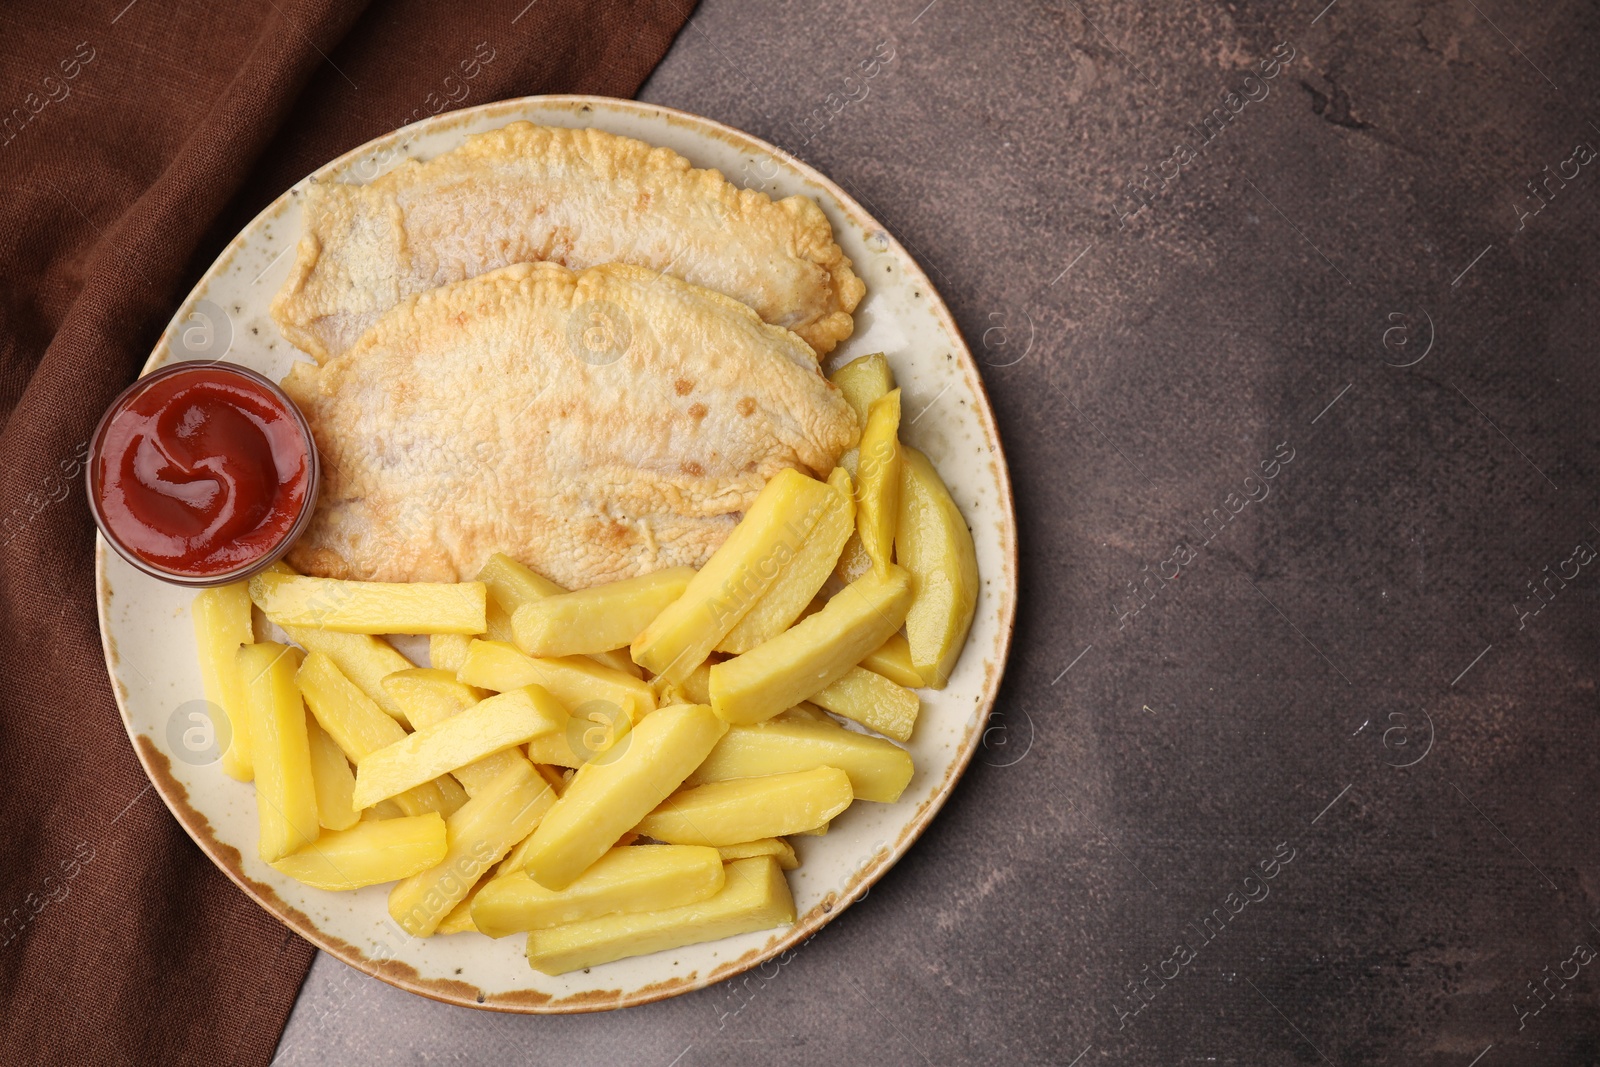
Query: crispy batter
{"type": "Point", "coordinates": [595, 426]}
{"type": "Point", "coordinates": [580, 198]}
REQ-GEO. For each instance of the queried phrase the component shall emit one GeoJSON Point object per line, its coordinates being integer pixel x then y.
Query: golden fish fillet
{"type": "Point", "coordinates": [580, 198]}
{"type": "Point", "coordinates": [595, 426]}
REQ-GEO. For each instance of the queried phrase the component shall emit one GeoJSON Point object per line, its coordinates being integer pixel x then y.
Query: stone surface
{"type": "Point", "coordinates": [1346, 671]}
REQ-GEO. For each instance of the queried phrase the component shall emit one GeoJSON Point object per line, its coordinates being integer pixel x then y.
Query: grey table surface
{"type": "Point", "coordinates": [1311, 338]}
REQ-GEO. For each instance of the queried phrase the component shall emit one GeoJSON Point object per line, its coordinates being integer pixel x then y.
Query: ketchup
{"type": "Point", "coordinates": [201, 470]}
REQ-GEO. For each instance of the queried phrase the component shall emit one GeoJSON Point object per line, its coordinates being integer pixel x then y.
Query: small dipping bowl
{"type": "Point", "coordinates": [202, 473]}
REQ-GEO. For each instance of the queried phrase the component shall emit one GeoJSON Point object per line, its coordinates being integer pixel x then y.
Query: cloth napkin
{"type": "Point", "coordinates": [136, 138]}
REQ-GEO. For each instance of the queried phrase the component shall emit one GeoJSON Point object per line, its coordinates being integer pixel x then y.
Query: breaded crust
{"type": "Point", "coordinates": [595, 426]}
{"type": "Point", "coordinates": [579, 198]}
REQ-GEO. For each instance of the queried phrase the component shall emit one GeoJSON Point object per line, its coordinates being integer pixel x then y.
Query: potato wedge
{"type": "Point", "coordinates": [878, 479]}
{"type": "Point", "coordinates": [768, 537]}
{"type": "Point", "coordinates": [892, 659]}
{"type": "Point", "coordinates": [221, 617]}
{"type": "Point", "coordinates": [934, 544]}
{"type": "Point", "coordinates": [879, 770]}
{"type": "Point", "coordinates": [790, 593]}
{"type": "Point", "coordinates": [872, 700]}
{"type": "Point", "coordinates": [727, 813]}
{"type": "Point", "coordinates": [369, 853]}
{"type": "Point", "coordinates": [487, 727]}
{"type": "Point", "coordinates": [362, 658]}
{"type": "Point", "coordinates": [371, 607]}
{"type": "Point", "coordinates": [446, 651]}
{"type": "Point", "coordinates": [815, 652]}
{"type": "Point", "coordinates": [359, 727]}
{"type": "Point", "coordinates": [335, 783]}
{"type": "Point", "coordinates": [776, 847]}
{"type": "Point", "coordinates": [815, 831]}
{"type": "Point", "coordinates": [754, 896]}
{"type": "Point", "coordinates": [862, 381]}
{"type": "Point", "coordinates": [483, 830]}
{"type": "Point", "coordinates": [573, 680]}
{"type": "Point", "coordinates": [608, 798]}
{"type": "Point", "coordinates": [428, 695]}
{"type": "Point", "coordinates": [286, 795]}
{"type": "Point", "coordinates": [635, 878]}
{"type": "Point", "coordinates": [597, 619]}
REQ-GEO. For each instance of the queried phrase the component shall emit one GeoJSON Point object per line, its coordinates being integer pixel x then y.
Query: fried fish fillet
{"type": "Point", "coordinates": [580, 198]}
{"type": "Point", "coordinates": [595, 426]}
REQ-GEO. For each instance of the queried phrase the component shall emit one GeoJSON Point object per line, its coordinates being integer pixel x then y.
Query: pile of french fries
{"type": "Point", "coordinates": [611, 771]}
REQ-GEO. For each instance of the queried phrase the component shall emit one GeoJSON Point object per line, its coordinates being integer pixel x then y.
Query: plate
{"type": "Point", "coordinates": [149, 638]}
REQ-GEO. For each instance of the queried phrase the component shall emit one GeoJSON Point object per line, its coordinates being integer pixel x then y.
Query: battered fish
{"type": "Point", "coordinates": [580, 198]}
{"type": "Point", "coordinates": [595, 426]}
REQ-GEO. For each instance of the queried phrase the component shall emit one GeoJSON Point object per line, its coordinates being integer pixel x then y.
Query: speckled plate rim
{"type": "Point", "coordinates": [402, 975]}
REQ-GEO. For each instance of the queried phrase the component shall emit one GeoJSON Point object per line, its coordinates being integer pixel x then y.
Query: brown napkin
{"type": "Point", "coordinates": [135, 139]}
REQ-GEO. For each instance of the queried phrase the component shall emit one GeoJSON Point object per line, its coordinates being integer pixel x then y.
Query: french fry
{"type": "Point", "coordinates": [608, 798]}
{"type": "Point", "coordinates": [879, 770]}
{"type": "Point", "coordinates": [459, 921]}
{"type": "Point", "coordinates": [573, 680]}
{"type": "Point", "coordinates": [872, 700]}
{"type": "Point", "coordinates": [635, 878]}
{"type": "Point", "coordinates": [383, 809]}
{"type": "Point", "coordinates": [594, 729]}
{"type": "Point", "coordinates": [512, 585]}
{"type": "Point", "coordinates": [332, 778]}
{"type": "Point", "coordinates": [776, 847]}
{"type": "Point", "coordinates": [754, 896]}
{"type": "Point", "coordinates": [727, 813]}
{"type": "Point", "coordinates": [446, 651]}
{"type": "Point", "coordinates": [815, 831]}
{"type": "Point", "coordinates": [853, 560]}
{"type": "Point", "coordinates": [362, 658]}
{"type": "Point", "coordinates": [498, 624]}
{"type": "Point", "coordinates": [815, 652]}
{"type": "Point", "coordinates": [371, 607]}
{"type": "Point", "coordinates": [359, 727]}
{"type": "Point", "coordinates": [428, 694]}
{"type": "Point", "coordinates": [805, 711]}
{"type": "Point", "coordinates": [476, 776]}
{"type": "Point", "coordinates": [487, 727]}
{"type": "Point", "coordinates": [697, 684]}
{"type": "Point", "coordinates": [483, 830]}
{"type": "Point", "coordinates": [878, 479]}
{"type": "Point", "coordinates": [599, 618]}
{"type": "Point", "coordinates": [801, 577]}
{"type": "Point", "coordinates": [892, 659]}
{"type": "Point", "coordinates": [286, 797]}
{"type": "Point", "coordinates": [221, 617]}
{"type": "Point", "coordinates": [369, 853]}
{"type": "Point", "coordinates": [738, 573]}
{"type": "Point", "coordinates": [934, 544]}
{"type": "Point", "coordinates": [862, 381]}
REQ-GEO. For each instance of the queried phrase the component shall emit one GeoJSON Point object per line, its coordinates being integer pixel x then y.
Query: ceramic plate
{"type": "Point", "coordinates": [150, 646]}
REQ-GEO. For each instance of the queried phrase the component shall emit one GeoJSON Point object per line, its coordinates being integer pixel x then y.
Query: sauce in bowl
{"type": "Point", "coordinates": [202, 473]}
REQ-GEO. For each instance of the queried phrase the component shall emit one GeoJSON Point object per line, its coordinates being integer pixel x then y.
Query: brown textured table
{"type": "Point", "coordinates": [1295, 760]}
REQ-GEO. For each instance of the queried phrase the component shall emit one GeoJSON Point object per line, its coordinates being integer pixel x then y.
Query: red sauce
{"type": "Point", "coordinates": [200, 471]}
